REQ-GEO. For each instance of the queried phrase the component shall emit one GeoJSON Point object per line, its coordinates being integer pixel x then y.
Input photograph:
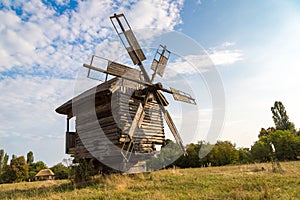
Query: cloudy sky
{"type": "Point", "coordinates": [253, 44]}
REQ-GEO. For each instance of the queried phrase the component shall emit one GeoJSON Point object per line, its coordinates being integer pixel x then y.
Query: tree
{"type": "Point", "coordinates": [191, 159]}
{"type": "Point", "coordinates": [261, 151]}
{"type": "Point", "coordinates": [8, 176]}
{"type": "Point", "coordinates": [18, 169]}
{"type": "Point", "coordinates": [286, 143]}
{"type": "Point", "coordinates": [3, 160]}
{"type": "Point", "coordinates": [82, 171]}
{"type": "Point", "coordinates": [298, 133]}
{"type": "Point", "coordinates": [244, 155]}
{"type": "Point", "coordinates": [3, 164]}
{"type": "Point", "coordinates": [30, 158]}
{"type": "Point", "coordinates": [60, 171]}
{"type": "Point", "coordinates": [264, 132]}
{"type": "Point", "coordinates": [205, 149]}
{"type": "Point", "coordinates": [281, 118]}
{"type": "Point", "coordinates": [168, 154]}
{"type": "Point", "coordinates": [223, 153]}
{"type": "Point", "coordinates": [6, 157]}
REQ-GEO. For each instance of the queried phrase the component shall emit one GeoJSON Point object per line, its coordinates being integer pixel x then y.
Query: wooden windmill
{"type": "Point", "coordinates": [129, 108]}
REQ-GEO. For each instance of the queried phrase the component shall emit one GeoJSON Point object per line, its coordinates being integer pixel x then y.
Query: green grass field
{"type": "Point", "coordinates": [229, 182]}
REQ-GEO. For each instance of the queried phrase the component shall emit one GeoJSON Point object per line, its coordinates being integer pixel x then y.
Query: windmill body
{"type": "Point", "coordinates": [112, 111]}
{"type": "Point", "coordinates": [120, 121]}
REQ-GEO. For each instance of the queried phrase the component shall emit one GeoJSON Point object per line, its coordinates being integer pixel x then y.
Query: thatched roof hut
{"type": "Point", "coordinates": [45, 174]}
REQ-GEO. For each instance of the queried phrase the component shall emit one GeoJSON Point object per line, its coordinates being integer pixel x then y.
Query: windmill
{"type": "Point", "coordinates": [145, 97]}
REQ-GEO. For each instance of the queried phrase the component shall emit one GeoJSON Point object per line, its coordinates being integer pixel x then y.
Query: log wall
{"type": "Point", "coordinates": [103, 129]}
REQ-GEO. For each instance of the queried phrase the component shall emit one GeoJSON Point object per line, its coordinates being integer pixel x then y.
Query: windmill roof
{"type": "Point", "coordinates": [102, 89]}
{"type": "Point", "coordinates": [45, 172]}
{"type": "Point", "coordinates": [67, 106]}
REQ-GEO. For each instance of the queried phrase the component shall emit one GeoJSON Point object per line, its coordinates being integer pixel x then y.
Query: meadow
{"type": "Point", "coordinates": [254, 181]}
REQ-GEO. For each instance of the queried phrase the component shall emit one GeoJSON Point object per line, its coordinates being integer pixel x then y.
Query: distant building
{"type": "Point", "coordinates": [45, 174]}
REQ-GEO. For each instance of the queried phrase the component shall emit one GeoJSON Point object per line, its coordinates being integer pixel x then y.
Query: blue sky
{"type": "Point", "coordinates": [254, 45]}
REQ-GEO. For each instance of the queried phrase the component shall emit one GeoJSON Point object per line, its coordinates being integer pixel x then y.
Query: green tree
{"type": "Point", "coordinates": [197, 155]}
{"type": "Point", "coordinates": [281, 118]}
{"type": "Point", "coordinates": [245, 156]}
{"type": "Point", "coordinates": [3, 160]}
{"type": "Point", "coordinates": [205, 149]}
{"type": "Point", "coordinates": [261, 151]}
{"type": "Point", "coordinates": [30, 158]}
{"type": "Point", "coordinates": [19, 169]}
{"type": "Point", "coordinates": [82, 171]}
{"type": "Point", "coordinates": [8, 176]}
{"type": "Point", "coordinates": [286, 143]}
{"type": "Point", "coordinates": [264, 132]}
{"type": "Point", "coordinates": [3, 164]}
{"type": "Point", "coordinates": [223, 153]}
{"type": "Point", "coordinates": [298, 133]}
{"type": "Point", "coordinates": [284, 137]}
{"type": "Point", "coordinates": [6, 157]}
{"type": "Point", "coordinates": [191, 159]}
{"type": "Point", "coordinates": [168, 154]}
{"type": "Point", "coordinates": [60, 171]}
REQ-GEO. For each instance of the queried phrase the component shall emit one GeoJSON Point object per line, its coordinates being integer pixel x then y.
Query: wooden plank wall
{"type": "Point", "coordinates": [114, 117]}
{"type": "Point", "coordinates": [151, 130]}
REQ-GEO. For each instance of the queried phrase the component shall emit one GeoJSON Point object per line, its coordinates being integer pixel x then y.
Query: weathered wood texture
{"type": "Point", "coordinates": [103, 119]}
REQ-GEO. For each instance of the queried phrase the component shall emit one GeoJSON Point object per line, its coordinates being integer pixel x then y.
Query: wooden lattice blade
{"type": "Point", "coordinates": [128, 39]}
{"type": "Point", "coordinates": [122, 70]}
{"type": "Point", "coordinates": [160, 61]}
{"type": "Point", "coordinates": [138, 118]}
{"type": "Point", "coordinates": [182, 96]}
{"type": "Point", "coordinates": [159, 66]}
{"type": "Point", "coordinates": [173, 129]}
{"type": "Point", "coordinates": [118, 73]}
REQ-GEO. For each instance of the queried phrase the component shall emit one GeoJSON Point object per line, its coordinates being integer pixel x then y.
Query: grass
{"type": "Point", "coordinates": [228, 182]}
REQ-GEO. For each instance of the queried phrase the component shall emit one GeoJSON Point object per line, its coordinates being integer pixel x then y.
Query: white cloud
{"type": "Point", "coordinates": [225, 54]}
{"type": "Point", "coordinates": [216, 56]}
{"type": "Point", "coordinates": [226, 57]}
{"type": "Point", "coordinates": [62, 2]}
{"type": "Point", "coordinates": [74, 35]}
{"type": "Point", "coordinates": [41, 46]}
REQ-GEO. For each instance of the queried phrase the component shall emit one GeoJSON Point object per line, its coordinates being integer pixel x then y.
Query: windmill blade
{"type": "Point", "coordinates": [127, 37]}
{"type": "Point", "coordinates": [137, 120]}
{"type": "Point", "coordinates": [173, 129]}
{"type": "Point", "coordinates": [129, 41]}
{"type": "Point", "coordinates": [160, 61]}
{"type": "Point", "coordinates": [170, 122]}
{"type": "Point", "coordinates": [119, 70]}
{"type": "Point", "coordinates": [109, 67]}
{"type": "Point", "coordinates": [177, 94]}
{"type": "Point", "coordinates": [122, 70]}
{"type": "Point", "coordinates": [182, 96]}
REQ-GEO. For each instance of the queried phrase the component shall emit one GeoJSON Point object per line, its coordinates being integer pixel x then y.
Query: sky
{"type": "Point", "coordinates": [253, 46]}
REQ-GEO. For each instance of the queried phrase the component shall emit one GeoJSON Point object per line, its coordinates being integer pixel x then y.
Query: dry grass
{"type": "Point", "coordinates": [255, 181]}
